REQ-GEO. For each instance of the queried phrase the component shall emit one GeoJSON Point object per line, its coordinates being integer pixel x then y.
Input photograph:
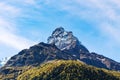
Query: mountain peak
{"type": "Point", "coordinates": [62, 45]}
{"type": "Point", "coordinates": [65, 40]}
{"type": "Point", "coordinates": [58, 31]}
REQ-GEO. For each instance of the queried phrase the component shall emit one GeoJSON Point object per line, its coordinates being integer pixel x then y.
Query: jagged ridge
{"type": "Point", "coordinates": [61, 45]}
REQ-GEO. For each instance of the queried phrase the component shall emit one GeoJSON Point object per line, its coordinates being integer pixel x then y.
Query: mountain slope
{"type": "Point", "coordinates": [68, 70]}
{"type": "Point", "coordinates": [61, 45]}
{"type": "Point", "coordinates": [67, 42]}
{"type": "Point", "coordinates": [37, 54]}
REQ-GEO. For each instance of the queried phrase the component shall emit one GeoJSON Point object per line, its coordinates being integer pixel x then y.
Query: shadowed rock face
{"type": "Point", "coordinates": [61, 45]}
{"type": "Point", "coordinates": [38, 54]}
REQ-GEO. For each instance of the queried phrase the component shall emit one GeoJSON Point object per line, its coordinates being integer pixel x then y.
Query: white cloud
{"type": "Point", "coordinates": [9, 37]}
{"type": "Point", "coordinates": [8, 11]}
{"type": "Point", "coordinates": [98, 12]}
{"type": "Point", "coordinates": [8, 27]}
{"type": "Point", "coordinates": [112, 32]}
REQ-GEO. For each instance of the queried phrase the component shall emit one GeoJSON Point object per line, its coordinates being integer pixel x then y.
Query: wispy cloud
{"type": "Point", "coordinates": [14, 40]}
{"type": "Point", "coordinates": [111, 31]}
{"type": "Point", "coordinates": [8, 11]}
{"type": "Point", "coordinates": [97, 12]}
{"type": "Point", "coordinates": [8, 27]}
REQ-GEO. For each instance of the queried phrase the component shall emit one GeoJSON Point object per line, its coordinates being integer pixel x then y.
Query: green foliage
{"type": "Point", "coordinates": [68, 70]}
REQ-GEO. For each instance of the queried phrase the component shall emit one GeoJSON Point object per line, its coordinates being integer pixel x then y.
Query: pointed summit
{"type": "Point", "coordinates": [58, 31]}
{"type": "Point", "coordinates": [65, 40]}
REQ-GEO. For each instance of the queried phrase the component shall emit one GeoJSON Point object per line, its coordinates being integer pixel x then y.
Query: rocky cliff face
{"type": "Point", "coordinates": [61, 45]}
{"type": "Point", "coordinates": [65, 40]}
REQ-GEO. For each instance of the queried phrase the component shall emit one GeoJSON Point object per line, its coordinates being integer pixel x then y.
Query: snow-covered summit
{"type": "Point", "coordinates": [64, 40]}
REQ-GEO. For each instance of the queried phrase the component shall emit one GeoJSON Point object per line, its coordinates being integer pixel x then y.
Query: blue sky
{"type": "Point", "coordinates": [24, 23]}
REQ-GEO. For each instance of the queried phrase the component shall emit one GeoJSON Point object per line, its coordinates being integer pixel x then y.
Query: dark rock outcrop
{"type": "Point", "coordinates": [38, 54]}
